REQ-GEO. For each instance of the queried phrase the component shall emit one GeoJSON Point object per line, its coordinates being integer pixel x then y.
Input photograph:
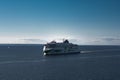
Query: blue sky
{"type": "Point", "coordinates": [82, 21]}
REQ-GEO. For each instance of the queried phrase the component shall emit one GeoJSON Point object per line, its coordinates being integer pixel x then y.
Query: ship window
{"type": "Point", "coordinates": [57, 50]}
{"type": "Point", "coordinates": [51, 46]}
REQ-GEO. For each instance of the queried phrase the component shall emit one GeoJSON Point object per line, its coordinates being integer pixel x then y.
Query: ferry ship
{"type": "Point", "coordinates": [54, 48]}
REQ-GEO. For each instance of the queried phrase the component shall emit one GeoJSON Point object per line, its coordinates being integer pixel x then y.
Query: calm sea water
{"type": "Point", "coordinates": [26, 62]}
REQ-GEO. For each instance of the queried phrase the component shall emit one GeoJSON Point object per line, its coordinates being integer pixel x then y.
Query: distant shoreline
{"type": "Point", "coordinates": [44, 44]}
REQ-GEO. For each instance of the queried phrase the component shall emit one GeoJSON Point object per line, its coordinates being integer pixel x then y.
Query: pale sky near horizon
{"type": "Point", "coordinates": [86, 22]}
